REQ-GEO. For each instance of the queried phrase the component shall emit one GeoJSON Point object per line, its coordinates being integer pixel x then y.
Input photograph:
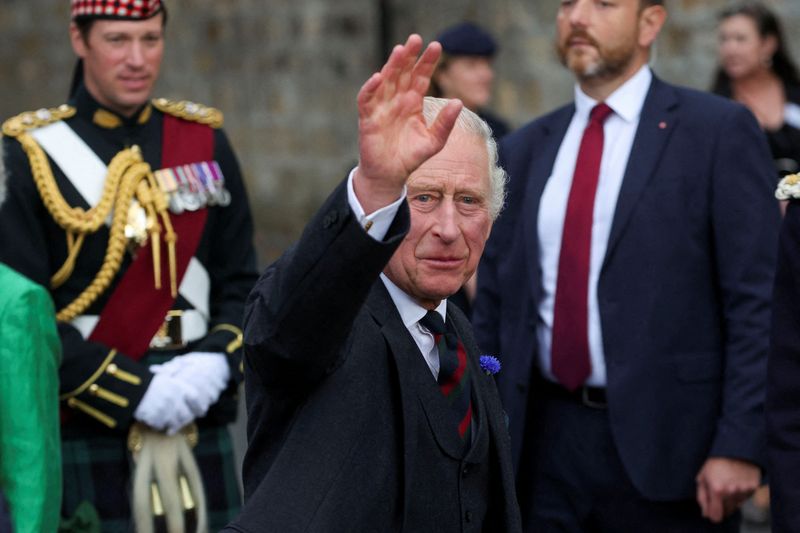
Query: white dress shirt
{"type": "Point", "coordinates": [410, 311]}
{"type": "Point", "coordinates": [619, 131]}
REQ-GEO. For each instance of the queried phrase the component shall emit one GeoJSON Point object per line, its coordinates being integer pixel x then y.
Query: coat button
{"type": "Point", "coordinates": [465, 471]}
{"type": "Point", "coordinates": [330, 219]}
{"type": "Point", "coordinates": [468, 516]}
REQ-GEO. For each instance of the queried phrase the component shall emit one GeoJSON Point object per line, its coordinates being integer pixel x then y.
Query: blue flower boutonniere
{"type": "Point", "coordinates": [490, 364]}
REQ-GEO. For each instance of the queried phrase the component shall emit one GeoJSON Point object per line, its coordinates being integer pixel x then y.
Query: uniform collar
{"type": "Point", "coordinates": [88, 108]}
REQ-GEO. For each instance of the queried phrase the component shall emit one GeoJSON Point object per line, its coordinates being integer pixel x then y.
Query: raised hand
{"type": "Point", "coordinates": [394, 138]}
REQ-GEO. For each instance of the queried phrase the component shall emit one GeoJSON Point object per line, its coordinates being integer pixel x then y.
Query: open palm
{"type": "Point", "coordinates": [394, 138]}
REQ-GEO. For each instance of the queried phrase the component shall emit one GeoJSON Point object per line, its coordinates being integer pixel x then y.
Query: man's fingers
{"type": "Point", "coordinates": [443, 123]}
{"type": "Point", "coordinates": [396, 70]}
{"type": "Point", "coordinates": [716, 508]}
{"type": "Point", "coordinates": [702, 497]}
{"type": "Point", "coordinates": [424, 67]}
{"type": "Point", "coordinates": [406, 74]}
{"type": "Point", "coordinates": [367, 92]}
{"type": "Point", "coordinates": [402, 71]}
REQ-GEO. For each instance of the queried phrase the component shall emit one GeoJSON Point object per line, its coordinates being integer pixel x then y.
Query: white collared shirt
{"type": "Point", "coordinates": [619, 131]}
{"type": "Point", "coordinates": [379, 221]}
{"type": "Point", "coordinates": [410, 311]}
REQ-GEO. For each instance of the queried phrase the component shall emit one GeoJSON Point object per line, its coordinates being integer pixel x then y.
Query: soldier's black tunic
{"type": "Point", "coordinates": [95, 459]}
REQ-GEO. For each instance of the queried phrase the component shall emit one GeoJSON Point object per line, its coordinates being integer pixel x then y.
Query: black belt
{"type": "Point", "coordinates": [594, 397]}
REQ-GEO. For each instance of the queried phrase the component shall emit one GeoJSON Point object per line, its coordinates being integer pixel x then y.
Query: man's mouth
{"type": "Point", "coordinates": [135, 81]}
{"type": "Point", "coordinates": [443, 261]}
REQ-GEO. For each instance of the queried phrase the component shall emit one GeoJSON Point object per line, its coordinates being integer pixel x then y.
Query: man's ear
{"type": "Point", "coordinates": [79, 45]}
{"type": "Point", "coordinates": [651, 20]}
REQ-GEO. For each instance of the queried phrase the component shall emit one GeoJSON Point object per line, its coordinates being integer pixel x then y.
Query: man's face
{"type": "Point", "coordinates": [449, 201]}
{"type": "Point", "coordinates": [598, 39]}
{"type": "Point", "coordinates": [121, 61]}
{"type": "Point", "coordinates": [469, 79]}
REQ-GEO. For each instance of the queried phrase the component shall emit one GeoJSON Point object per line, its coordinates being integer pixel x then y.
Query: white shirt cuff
{"type": "Point", "coordinates": [377, 223]}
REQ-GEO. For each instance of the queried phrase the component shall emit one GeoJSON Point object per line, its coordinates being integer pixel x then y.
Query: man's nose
{"type": "Point", "coordinates": [580, 14]}
{"type": "Point", "coordinates": [136, 54]}
{"type": "Point", "coordinates": [447, 227]}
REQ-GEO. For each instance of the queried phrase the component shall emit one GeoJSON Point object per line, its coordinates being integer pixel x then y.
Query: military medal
{"type": "Point", "coordinates": [193, 186]}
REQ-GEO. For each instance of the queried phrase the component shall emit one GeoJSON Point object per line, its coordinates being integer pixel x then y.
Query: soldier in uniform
{"type": "Point", "coordinates": [133, 212]}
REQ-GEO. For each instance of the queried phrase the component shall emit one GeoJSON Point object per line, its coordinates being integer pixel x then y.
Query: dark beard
{"type": "Point", "coordinates": [608, 66]}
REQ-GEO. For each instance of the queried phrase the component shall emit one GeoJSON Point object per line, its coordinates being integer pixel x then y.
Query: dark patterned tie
{"type": "Point", "coordinates": [569, 354]}
{"type": "Point", "coordinates": [453, 371]}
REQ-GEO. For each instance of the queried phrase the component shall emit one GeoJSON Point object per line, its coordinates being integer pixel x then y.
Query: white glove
{"type": "Point", "coordinates": [164, 406]}
{"type": "Point", "coordinates": [202, 377]}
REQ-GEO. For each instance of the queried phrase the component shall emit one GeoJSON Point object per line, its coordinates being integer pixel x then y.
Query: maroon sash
{"type": "Point", "coordinates": [135, 310]}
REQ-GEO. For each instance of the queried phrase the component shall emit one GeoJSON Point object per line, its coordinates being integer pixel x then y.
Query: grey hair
{"type": "Point", "coordinates": [470, 123]}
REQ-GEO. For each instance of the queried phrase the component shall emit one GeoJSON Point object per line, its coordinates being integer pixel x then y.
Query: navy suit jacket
{"type": "Point", "coordinates": [683, 291]}
{"type": "Point", "coordinates": [347, 429]}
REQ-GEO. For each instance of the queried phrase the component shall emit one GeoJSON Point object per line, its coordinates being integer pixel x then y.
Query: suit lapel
{"type": "Point", "coordinates": [658, 120]}
{"type": "Point", "coordinates": [539, 171]}
{"type": "Point", "coordinates": [418, 388]}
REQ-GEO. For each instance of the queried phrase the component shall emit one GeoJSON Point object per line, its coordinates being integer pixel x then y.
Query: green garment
{"type": "Point", "coordinates": [30, 452]}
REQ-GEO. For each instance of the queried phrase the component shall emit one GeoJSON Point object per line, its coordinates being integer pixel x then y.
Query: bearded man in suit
{"type": "Point", "coordinates": [627, 286]}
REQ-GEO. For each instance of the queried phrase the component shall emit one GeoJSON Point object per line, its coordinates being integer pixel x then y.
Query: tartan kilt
{"type": "Point", "coordinates": [98, 469]}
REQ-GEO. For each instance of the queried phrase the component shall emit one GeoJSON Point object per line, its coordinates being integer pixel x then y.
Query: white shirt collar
{"type": "Point", "coordinates": [627, 101]}
{"type": "Point", "coordinates": [410, 311]}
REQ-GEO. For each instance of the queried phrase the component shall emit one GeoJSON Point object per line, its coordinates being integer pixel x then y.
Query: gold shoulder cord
{"type": "Point", "coordinates": [128, 177]}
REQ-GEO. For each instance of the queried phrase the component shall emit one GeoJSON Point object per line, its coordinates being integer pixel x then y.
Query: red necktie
{"type": "Point", "coordinates": [570, 360]}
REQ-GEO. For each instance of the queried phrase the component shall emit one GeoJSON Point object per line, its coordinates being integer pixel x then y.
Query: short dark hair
{"type": "Point", "coordinates": [768, 25]}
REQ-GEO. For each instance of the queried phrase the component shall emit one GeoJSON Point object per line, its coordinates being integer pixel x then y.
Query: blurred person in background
{"type": "Point", "coordinates": [132, 212]}
{"type": "Point", "coordinates": [755, 68]}
{"type": "Point", "coordinates": [465, 71]}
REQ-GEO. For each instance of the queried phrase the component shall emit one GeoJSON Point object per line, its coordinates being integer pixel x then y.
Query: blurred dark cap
{"type": "Point", "coordinates": [115, 9]}
{"type": "Point", "coordinates": [467, 39]}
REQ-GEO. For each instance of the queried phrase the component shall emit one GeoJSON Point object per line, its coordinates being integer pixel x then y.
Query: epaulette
{"type": "Point", "coordinates": [29, 120]}
{"type": "Point", "coordinates": [788, 188]}
{"type": "Point", "coordinates": [190, 111]}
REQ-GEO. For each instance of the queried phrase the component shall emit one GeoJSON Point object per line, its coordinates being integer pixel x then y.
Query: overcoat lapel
{"type": "Point", "coordinates": [380, 305]}
{"type": "Point", "coordinates": [418, 388]}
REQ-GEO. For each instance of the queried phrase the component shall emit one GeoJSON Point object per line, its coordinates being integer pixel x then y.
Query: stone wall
{"type": "Point", "coordinates": [286, 73]}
